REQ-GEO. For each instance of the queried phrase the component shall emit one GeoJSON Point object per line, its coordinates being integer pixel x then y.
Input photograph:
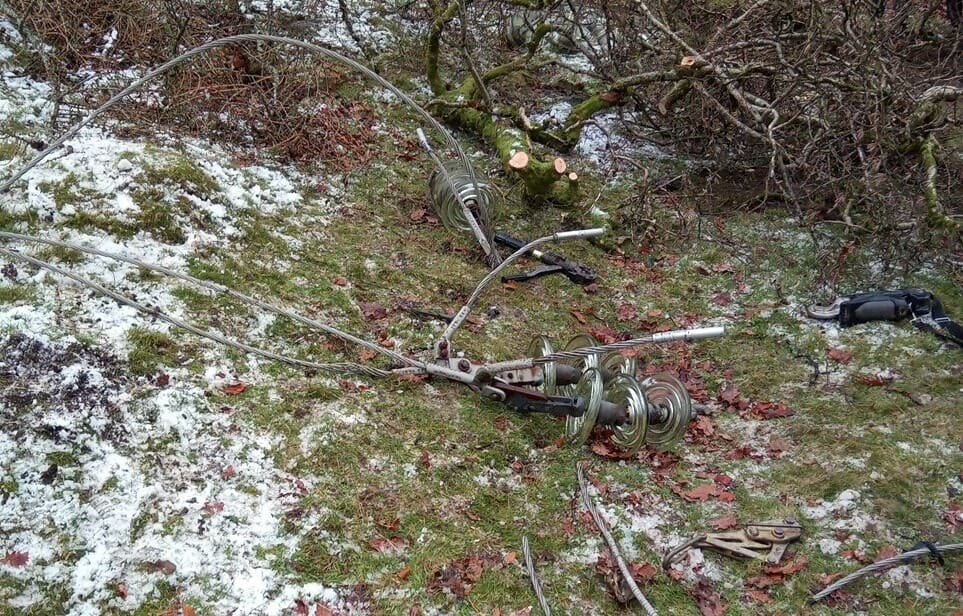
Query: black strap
{"type": "Point", "coordinates": [947, 329]}
{"type": "Point", "coordinates": [932, 548]}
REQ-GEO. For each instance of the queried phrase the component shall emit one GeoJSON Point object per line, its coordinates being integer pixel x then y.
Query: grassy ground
{"type": "Point", "coordinates": [421, 492]}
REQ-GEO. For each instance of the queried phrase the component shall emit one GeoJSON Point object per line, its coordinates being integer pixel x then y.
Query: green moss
{"type": "Point", "coordinates": [9, 149]}
{"type": "Point", "coordinates": [140, 522]}
{"type": "Point", "coordinates": [62, 458]}
{"type": "Point", "coordinates": [181, 172]}
{"type": "Point", "coordinates": [149, 350]}
{"type": "Point", "coordinates": [85, 220]}
{"type": "Point", "coordinates": [158, 219]}
{"type": "Point", "coordinates": [67, 256]}
{"type": "Point", "coordinates": [10, 294]}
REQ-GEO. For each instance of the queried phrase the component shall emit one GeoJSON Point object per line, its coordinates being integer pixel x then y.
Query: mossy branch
{"type": "Point", "coordinates": [541, 178]}
{"type": "Point", "coordinates": [934, 209]}
{"type": "Point", "coordinates": [435, 30]}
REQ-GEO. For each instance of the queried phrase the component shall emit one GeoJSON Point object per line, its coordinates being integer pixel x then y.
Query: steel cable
{"type": "Point", "coordinates": [530, 567]}
{"type": "Point", "coordinates": [230, 40]}
{"type": "Point", "coordinates": [216, 337]}
{"type": "Point", "coordinates": [219, 288]}
{"type": "Point", "coordinates": [886, 563]}
{"type": "Point", "coordinates": [610, 541]}
{"type": "Point", "coordinates": [239, 38]}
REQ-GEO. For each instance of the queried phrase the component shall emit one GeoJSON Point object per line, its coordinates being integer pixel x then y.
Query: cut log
{"type": "Point", "coordinates": [573, 177]}
{"type": "Point", "coordinates": [559, 166]}
{"type": "Point", "coordinates": [518, 161]}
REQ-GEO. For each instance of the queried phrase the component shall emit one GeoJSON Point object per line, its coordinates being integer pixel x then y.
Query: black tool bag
{"type": "Point", "coordinates": [924, 308]}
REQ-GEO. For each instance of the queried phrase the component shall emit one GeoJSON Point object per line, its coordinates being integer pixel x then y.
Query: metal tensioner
{"type": "Point", "coordinates": [588, 385]}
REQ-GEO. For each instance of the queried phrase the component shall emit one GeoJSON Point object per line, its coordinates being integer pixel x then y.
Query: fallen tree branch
{"type": "Point", "coordinates": [934, 209]}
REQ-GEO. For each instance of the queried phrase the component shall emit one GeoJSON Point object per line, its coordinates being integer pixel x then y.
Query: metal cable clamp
{"type": "Point", "coordinates": [763, 540]}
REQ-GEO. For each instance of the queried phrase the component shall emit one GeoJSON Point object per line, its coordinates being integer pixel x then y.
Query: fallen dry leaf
{"type": "Point", "coordinates": [15, 559]}
{"type": "Point", "coordinates": [643, 573]}
{"type": "Point", "coordinates": [770, 410]}
{"type": "Point", "coordinates": [825, 579]}
{"type": "Point", "coordinates": [578, 316]}
{"type": "Point", "coordinates": [778, 445]}
{"type": "Point", "coordinates": [187, 610]}
{"type": "Point", "coordinates": [840, 600]}
{"type": "Point", "coordinates": [509, 558]}
{"type": "Point", "coordinates": [373, 311]}
{"type": "Point", "coordinates": [165, 567]}
{"type": "Point", "coordinates": [788, 568]}
{"type": "Point", "coordinates": [758, 596]}
{"type": "Point", "coordinates": [403, 573]}
{"type": "Point", "coordinates": [211, 508]}
{"type": "Point", "coordinates": [607, 568]}
{"type": "Point", "coordinates": [764, 581]}
{"type": "Point", "coordinates": [953, 517]}
{"type": "Point", "coordinates": [605, 449]}
{"type": "Point", "coordinates": [954, 582]}
{"type": "Point", "coordinates": [701, 492]}
{"type": "Point", "coordinates": [840, 355]}
{"type": "Point", "coordinates": [722, 299]}
{"type": "Point", "coordinates": [884, 553]}
{"type": "Point", "coordinates": [875, 380]}
{"type": "Point", "coordinates": [459, 576]}
{"type": "Point", "coordinates": [721, 479]}
{"type": "Point", "coordinates": [703, 424]}
{"type": "Point", "coordinates": [625, 312]}
{"type": "Point", "coordinates": [604, 334]}
{"type": "Point", "coordinates": [726, 522]}
{"type": "Point", "coordinates": [235, 388]}
{"type": "Point", "coordinates": [390, 545]}
{"type": "Point", "coordinates": [710, 602]}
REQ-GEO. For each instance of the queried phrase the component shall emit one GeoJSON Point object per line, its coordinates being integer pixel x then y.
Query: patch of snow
{"type": "Point", "coordinates": [503, 480]}
{"type": "Point", "coordinates": [904, 579]}
{"type": "Point", "coordinates": [828, 545]}
{"type": "Point", "coordinates": [844, 501]}
{"type": "Point", "coordinates": [135, 496]}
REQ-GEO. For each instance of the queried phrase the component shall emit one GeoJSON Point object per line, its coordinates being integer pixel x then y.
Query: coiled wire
{"type": "Point", "coordinates": [478, 195]}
